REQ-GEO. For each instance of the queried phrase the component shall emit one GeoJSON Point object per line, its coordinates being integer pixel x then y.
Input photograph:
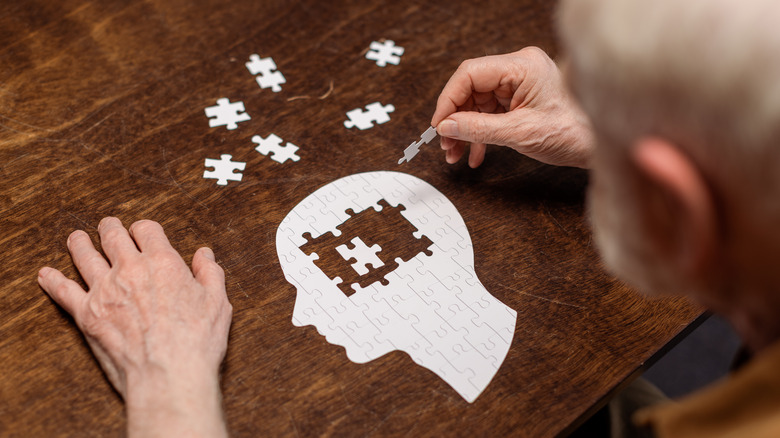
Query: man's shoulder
{"type": "Point", "coordinates": [745, 403]}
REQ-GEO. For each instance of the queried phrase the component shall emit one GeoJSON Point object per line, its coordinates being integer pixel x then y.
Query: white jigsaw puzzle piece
{"type": "Point", "coordinates": [412, 150]}
{"type": "Point", "coordinates": [363, 254]}
{"type": "Point", "coordinates": [385, 53]}
{"type": "Point", "coordinates": [434, 307]}
{"type": "Point", "coordinates": [273, 145]}
{"type": "Point", "coordinates": [269, 76]}
{"type": "Point", "coordinates": [223, 169]}
{"type": "Point", "coordinates": [375, 113]}
{"type": "Point", "coordinates": [227, 114]}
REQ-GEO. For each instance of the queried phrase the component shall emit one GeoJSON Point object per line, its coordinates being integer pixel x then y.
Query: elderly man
{"type": "Point", "coordinates": [683, 135]}
{"type": "Point", "coordinates": [679, 118]}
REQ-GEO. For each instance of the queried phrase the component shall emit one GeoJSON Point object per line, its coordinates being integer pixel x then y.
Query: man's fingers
{"type": "Point", "coordinates": [454, 154]}
{"type": "Point", "coordinates": [447, 143]}
{"type": "Point", "coordinates": [115, 240]}
{"type": "Point", "coordinates": [474, 127]}
{"type": "Point", "coordinates": [150, 237]}
{"type": "Point", "coordinates": [206, 270]}
{"type": "Point", "coordinates": [480, 75]}
{"type": "Point", "coordinates": [66, 292]}
{"type": "Point", "coordinates": [90, 263]}
{"type": "Point", "coordinates": [477, 154]}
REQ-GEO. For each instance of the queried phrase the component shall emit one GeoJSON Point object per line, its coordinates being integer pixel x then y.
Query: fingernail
{"type": "Point", "coordinates": [44, 272]}
{"type": "Point", "coordinates": [209, 254]}
{"type": "Point", "coordinates": [448, 128]}
{"type": "Point", "coordinates": [103, 221]}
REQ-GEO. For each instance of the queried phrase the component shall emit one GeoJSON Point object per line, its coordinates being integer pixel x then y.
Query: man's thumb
{"type": "Point", "coordinates": [476, 127]}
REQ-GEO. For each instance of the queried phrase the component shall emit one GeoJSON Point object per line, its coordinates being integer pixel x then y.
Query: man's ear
{"type": "Point", "coordinates": [678, 206]}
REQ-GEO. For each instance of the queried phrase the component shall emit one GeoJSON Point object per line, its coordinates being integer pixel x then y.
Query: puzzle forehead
{"type": "Point", "coordinates": [420, 296]}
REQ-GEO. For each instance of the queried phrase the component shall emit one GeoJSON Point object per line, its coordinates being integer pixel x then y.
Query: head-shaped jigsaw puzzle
{"type": "Point", "coordinates": [383, 261]}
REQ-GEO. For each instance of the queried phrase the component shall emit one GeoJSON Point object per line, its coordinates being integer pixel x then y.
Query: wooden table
{"type": "Point", "coordinates": [102, 113]}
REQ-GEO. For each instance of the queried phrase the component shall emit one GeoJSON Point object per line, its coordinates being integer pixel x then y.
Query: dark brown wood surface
{"type": "Point", "coordinates": [102, 113]}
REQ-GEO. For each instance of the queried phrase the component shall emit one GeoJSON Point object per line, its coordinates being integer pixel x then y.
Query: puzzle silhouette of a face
{"type": "Point", "coordinates": [383, 261]}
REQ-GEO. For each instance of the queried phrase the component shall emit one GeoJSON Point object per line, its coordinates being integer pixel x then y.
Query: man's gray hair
{"type": "Point", "coordinates": [703, 74]}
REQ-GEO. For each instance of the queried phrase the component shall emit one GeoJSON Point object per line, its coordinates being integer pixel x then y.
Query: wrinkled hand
{"type": "Point", "coordinates": [517, 100]}
{"type": "Point", "coordinates": [159, 332]}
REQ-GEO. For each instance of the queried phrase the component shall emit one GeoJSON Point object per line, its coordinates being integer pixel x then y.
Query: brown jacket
{"type": "Point", "coordinates": [745, 404]}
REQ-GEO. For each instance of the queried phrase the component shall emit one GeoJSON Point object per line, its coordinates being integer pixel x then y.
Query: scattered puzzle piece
{"type": "Point", "coordinates": [273, 145]}
{"type": "Point", "coordinates": [223, 169]}
{"type": "Point", "coordinates": [385, 53]}
{"type": "Point", "coordinates": [227, 114]}
{"type": "Point", "coordinates": [375, 113]}
{"type": "Point", "coordinates": [362, 255]}
{"type": "Point", "coordinates": [269, 76]}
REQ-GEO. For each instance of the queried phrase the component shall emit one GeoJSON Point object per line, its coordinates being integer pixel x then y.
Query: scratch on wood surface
{"type": "Point", "coordinates": [37, 128]}
{"type": "Point", "coordinates": [542, 298]}
{"type": "Point", "coordinates": [197, 236]}
{"type": "Point", "coordinates": [547, 210]}
{"type": "Point", "coordinates": [83, 222]}
{"type": "Point", "coordinates": [238, 283]}
{"type": "Point", "coordinates": [292, 421]}
{"type": "Point", "coordinates": [344, 396]}
{"type": "Point", "coordinates": [383, 421]}
{"type": "Point", "coordinates": [12, 129]}
{"type": "Point", "coordinates": [42, 28]}
{"type": "Point", "coordinates": [11, 161]}
{"type": "Point", "coordinates": [176, 183]}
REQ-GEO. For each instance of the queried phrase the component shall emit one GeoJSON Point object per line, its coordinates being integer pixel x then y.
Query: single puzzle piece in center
{"type": "Point", "coordinates": [385, 52]}
{"type": "Point", "coordinates": [387, 228]}
{"type": "Point", "coordinates": [361, 255]}
{"type": "Point", "coordinates": [227, 114]}
{"type": "Point", "coordinates": [223, 169]}
{"type": "Point", "coordinates": [375, 113]}
{"type": "Point", "coordinates": [273, 145]}
{"type": "Point", "coordinates": [269, 76]}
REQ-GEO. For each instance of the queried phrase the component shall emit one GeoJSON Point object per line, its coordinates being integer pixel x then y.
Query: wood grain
{"type": "Point", "coordinates": [101, 113]}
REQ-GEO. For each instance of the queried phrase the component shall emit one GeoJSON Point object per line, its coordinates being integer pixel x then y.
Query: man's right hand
{"type": "Point", "coordinates": [517, 100]}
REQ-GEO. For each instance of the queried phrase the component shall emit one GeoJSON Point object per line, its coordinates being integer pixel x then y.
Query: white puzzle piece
{"type": "Point", "coordinates": [223, 169]}
{"type": "Point", "coordinates": [269, 76]}
{"type": "Point", "coordinates": [412, 150]}
{"type": "Point", "coordinates": [362, 254]}
{"type": "Point", "coordinates": [226, 114]}
{"type": "Point", "coordinates": [431, 306]}
{"type": "Point", "coordinates": [273, 145]}
{"type": "Point", "coordinates": [375, 113]}
{"type": "Point", "coordinates": [385, 53]}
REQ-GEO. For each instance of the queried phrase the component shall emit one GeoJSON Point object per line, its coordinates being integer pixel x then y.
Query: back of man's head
{"type": "Point", "coordinates": [703, 75]}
